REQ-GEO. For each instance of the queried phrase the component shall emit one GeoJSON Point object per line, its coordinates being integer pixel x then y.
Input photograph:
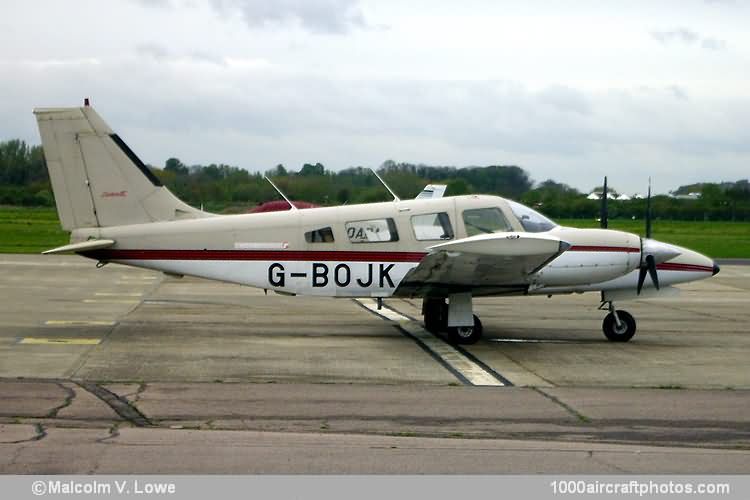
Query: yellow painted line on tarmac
{"type": "Point", "coordinates": [59, 341]}
{"type": "Point", "coordinates": [109, 301]}
{"type": "Point", "coordinates": [118, 294]}
{"type": "Point", "coordinates": [78, 322]}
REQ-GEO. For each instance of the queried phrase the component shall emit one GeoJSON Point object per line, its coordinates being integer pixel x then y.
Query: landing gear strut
{"type": "Point", "coordinates": [618, 326]}
{"type": "Point", "coordinates": [455, 318]}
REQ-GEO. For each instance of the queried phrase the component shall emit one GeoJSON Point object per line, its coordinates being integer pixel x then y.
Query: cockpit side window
{"type": "Point", "coordinates": [432, 227]}
{"type": "Point", "coordinates": [531, 220]}
{"type": "Point", "coordinates": [322, 235]}
{"type": "Point", "coordinates": [485, 220]}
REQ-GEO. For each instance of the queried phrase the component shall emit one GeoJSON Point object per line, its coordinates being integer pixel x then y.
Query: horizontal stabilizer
{"type": "Point", "coordinates": [83, 246]}
{"type": "Point", "coordinates": [432, 191]}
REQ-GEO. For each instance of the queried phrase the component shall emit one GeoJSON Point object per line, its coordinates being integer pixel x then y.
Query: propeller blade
{"type": "Point", "coordinates": [641, 278]}
{"type": "Point", "coordinates": [604, 215]}
{"type": "Point", "coordinates": [648, 210]}
{"type": "Point", "coordinates": [651, 266]}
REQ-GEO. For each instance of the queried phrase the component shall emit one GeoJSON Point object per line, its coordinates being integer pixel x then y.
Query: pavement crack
{"type": "Point", "coordinates": [141, 389]}
{"type": "Point", "coordinates": [523, 365]}
{"type": "Point", "coordinates": [580, 416]}
{"type": "Point", "coordinates": [70, 395]}
{"type": "Point", "coordinates": [595, 456]}
{"type": "Point", "coordinates": [120, 405]}
{"type": "Point", "coordinates": [114, 432]}
{"type": "Point", "coordinates": [41, 433]}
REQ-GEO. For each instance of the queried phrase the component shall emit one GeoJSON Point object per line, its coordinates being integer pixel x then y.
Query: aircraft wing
{"type": "Point", "coordinates": [485, 264]}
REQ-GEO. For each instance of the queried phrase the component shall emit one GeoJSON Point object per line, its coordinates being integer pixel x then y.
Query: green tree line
{"type": "Point", "coordinates": [224, 188]}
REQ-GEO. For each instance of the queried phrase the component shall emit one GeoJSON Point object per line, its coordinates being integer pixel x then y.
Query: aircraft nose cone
{"type": "Point", "coordinates": [716, 268]}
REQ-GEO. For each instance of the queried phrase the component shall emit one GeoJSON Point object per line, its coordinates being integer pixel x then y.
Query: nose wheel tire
{"type": "Point", "coordinates": [466, 334]}
{"type": "Point", "coordinates": [621, 333]}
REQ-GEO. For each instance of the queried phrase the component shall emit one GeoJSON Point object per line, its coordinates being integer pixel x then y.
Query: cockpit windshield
{"type": "Point", "coordinates": [531, 220]}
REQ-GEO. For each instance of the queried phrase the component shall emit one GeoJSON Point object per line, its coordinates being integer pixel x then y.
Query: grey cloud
{"type": "Point", "coordinates": [153, 50]}
{"type": "Point", "coordinates": [206, 57]}
{"type": "Point", "coordinates": [317, 16]}
{"type": "Point", "coordinates": [161, 54]}
{"type": "Point", "coordinates": [153, 3]}
{"type": "Point", "coordinates": [678, 92]}
{"type": "Point", "coordinates": [258, 119]}
{"type": "Point", "coordinates": [565, 99]}
{"type": "Point", "coordinates": [680, 34]}
{"type": "Point", "coordinates": [688, 37]}
{"type": "Point", "coordinates": [713, 44]}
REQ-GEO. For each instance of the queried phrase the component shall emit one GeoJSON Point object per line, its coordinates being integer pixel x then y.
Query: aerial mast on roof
{"type": "Point", "coordinates": [395, 198]}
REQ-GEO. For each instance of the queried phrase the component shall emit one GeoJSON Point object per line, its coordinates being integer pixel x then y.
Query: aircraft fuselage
{"type": "Point", "coordinates": [367, 250]}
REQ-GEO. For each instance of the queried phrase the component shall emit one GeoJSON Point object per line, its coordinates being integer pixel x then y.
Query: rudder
{"type": "Point", "coordinates": [97, 179]}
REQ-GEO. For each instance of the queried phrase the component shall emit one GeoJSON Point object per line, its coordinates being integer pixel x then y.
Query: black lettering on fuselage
{"type": "Point", "coordinates": [366, 284]}
{"type": "Point", "coordinates": [384, 270]}
{"type": "Point", "coordinates": [278, 278]}
{"type": "Point", "coordinates": [319, 275]}
{"type": "Point", "coordinates": [342, 269]}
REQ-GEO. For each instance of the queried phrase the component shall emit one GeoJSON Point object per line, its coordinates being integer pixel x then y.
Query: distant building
{"type": "Point", "coordinates": [612, 196]}
{"type": "Point", "coordinates": [689, 196]}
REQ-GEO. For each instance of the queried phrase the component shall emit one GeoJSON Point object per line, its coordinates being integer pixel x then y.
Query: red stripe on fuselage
{"type": "Point", "coordinates": [674, 266]}
{"type": "Point", "coordinates": [274, 255]}
{"type": "Point", "coordinates": [324, 255]}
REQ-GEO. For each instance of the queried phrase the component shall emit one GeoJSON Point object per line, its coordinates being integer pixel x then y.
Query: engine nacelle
{"type": "Point", "coordinates": [595, 255]}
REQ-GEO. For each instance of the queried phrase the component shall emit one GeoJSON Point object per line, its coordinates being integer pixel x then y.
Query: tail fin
{"type": "Point", "coordinates": [97, 179]}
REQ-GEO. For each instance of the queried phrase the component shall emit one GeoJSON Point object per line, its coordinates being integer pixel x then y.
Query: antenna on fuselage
{"type": "Point", "coordinates": [395, 198]}
{"type": "Point", "coordinates": [279, 191]}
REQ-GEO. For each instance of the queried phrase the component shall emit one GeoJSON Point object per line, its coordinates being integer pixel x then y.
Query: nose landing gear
{"type": "Point", "coordinates": [618, 326]}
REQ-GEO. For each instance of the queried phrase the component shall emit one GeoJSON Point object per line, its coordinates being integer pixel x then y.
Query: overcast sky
{"type": "Point", "coordinates": [569, 90]}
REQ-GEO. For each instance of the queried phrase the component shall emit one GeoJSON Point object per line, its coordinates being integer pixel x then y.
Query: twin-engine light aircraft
{"type": "Point", "coordinates": [446, 250]}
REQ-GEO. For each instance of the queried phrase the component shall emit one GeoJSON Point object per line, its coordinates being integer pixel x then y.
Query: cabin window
{"type": "Point", "coordinates": [432, 226]}
{"type": "Point", "coordinates": [485, 220]}
{"type": "Point", "coordinates": [323, 235]}
{"type": "Point", "coordinates": [372, 231]}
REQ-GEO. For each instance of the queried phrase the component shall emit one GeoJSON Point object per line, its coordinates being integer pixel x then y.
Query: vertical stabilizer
{"type": "Point", "coordinates": [97, 179]}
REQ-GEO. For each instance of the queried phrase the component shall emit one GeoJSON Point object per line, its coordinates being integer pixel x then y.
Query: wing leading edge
{"type": "Point", "coordinates": [484, 264]}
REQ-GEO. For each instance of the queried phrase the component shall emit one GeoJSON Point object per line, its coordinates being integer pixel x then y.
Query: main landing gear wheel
{"type": "Point", "coordinates": [621, 333]}
{"type": "Point", "coordinates": [466, 334]}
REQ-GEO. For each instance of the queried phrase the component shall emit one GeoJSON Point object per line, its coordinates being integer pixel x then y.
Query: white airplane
{"type": "Point", "coordinates": [446, 250]}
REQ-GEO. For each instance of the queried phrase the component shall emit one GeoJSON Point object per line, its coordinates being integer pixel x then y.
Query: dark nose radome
{"type": "Point", "coordinates": [716, 268]}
